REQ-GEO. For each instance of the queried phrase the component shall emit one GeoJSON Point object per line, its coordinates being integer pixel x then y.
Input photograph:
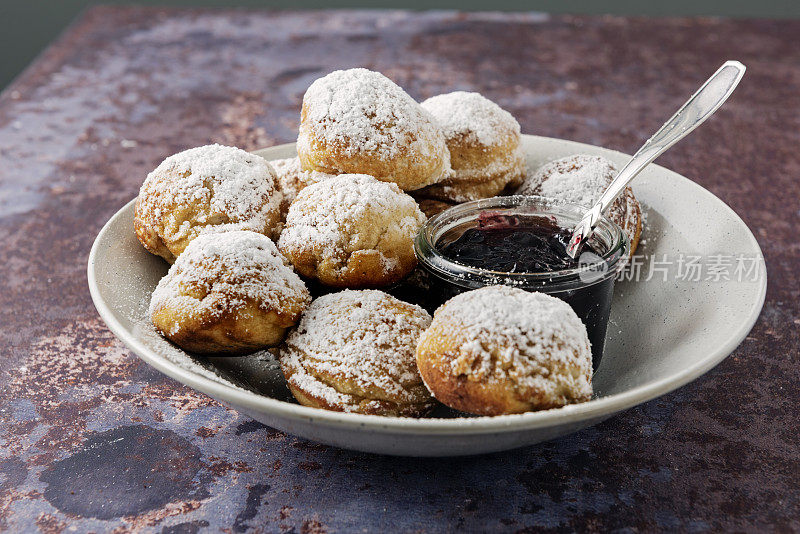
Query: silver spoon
{"type": "Point", "coordinates": [697, 109]}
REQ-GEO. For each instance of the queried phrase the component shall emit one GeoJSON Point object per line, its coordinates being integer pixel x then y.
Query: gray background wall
{"type": "Point", "coordinates": [27, 26]}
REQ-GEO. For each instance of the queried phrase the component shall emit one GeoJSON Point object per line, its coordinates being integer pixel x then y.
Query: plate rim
{"type": "Point", "coordinates": [594, 409]}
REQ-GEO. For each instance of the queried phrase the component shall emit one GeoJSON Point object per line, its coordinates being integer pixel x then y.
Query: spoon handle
{"type": "Point", "coordinates": [692, 114]}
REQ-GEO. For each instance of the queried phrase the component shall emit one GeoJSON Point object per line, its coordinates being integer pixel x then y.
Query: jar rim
{"type": "Point", "coordinates": [431, 258]}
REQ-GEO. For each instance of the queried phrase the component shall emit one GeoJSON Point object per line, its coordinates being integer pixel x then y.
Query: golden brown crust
{"type": "Point", "coordinates": [481, 370]}
{"type": "Point", "coordinates": [353, 351]}
{"type": "Point", "coordinates": [409, 170]}
{"type": "Point", "coordinates": [364, 239]}
{"type": "Point", "coordinates": [364, 405]}
{"type": "Point", "coordinates": [633, 221]}
{"type": "Point", "coordinates": [150, 239]}
{"type": "Point", "coordinates": [359, 269]}
{"type": "Point", "coordinates": [243, 331]}
{"type": "Point", "coordinates": [360, 122]}
{"type": "Point", "coordinates": [209, 187]}
{"type": "Point", "coordinates": [484, 144]}
{"type": "Point", "coordinates": [474, 162]}
{"type": "Point", "coordinates": [228, 293]}
{"type": "Point", "coordinates": [458, 192]}
{"type": "Point", "coordinates": [483, 397]}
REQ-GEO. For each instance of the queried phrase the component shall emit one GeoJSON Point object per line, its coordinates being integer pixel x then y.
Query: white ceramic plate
{"type": "Point", "coordinates": [663, 334]}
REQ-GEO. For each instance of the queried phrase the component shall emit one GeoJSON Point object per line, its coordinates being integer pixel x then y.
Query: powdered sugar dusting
{"type": "Point", "coordinates": [472, 116]}
{"type": "Point", "coordinates": [361, 111]}
{"type": "Point", "coordinates": [513, 334]}
{"type": "Point", "coordinates": [292, 178]}
{"type": "Point", "coordinates": [236, 188]}
{"type": "Point", "coordinates": [578, 179]}
{"type": "Point", "coordinates": [365, 339]}
{"type": "Point", "coordinates": [220, 272]}
{"type": "Point", "coordinates": [332, 216]}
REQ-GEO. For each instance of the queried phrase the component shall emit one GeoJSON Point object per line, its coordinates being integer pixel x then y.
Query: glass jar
{"type": "Point", "coordinates": [588, 288]}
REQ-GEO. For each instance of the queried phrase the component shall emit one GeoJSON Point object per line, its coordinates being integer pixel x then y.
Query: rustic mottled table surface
{"type": "Point", "coordinates": [94, 439]}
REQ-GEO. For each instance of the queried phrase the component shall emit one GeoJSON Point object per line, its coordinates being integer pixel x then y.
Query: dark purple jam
{"type": "Point", "coordinates": [514, 244]}
{"type": "Point", "coordinates": [531, 244]}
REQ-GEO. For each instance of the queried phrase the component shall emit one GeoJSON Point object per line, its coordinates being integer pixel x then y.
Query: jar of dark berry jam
{"type": "Point", "coordinates": [521, 241]}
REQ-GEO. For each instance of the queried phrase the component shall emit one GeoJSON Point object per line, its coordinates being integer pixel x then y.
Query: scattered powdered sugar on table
{"type": "Point", "coordinates": [473, 116]}
{"type": "Point", "coordinates": [361, 111]}
{"type": "Point", "coordinates": [332, 216]}
{"type": "Point", "coordinates": [229, 269]}
{"type": "Point", "coordinates": [231, 182]}
{"type": "Point", "coordinates": [534, 339]}
{"type": "Point", "coordinates": [364, 338]}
